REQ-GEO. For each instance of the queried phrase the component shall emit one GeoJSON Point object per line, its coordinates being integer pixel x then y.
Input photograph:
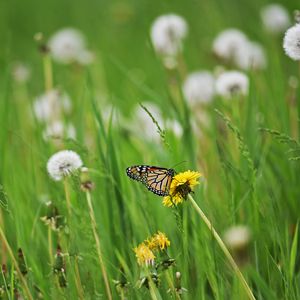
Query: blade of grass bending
{"type": "Point", "coordinates": [293, 253]}
{"type": "Point", "coordinates": [223, 247]}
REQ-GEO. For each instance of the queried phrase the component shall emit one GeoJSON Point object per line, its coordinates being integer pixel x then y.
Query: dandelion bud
{"type": "Point", "coordinates": [86, 183]}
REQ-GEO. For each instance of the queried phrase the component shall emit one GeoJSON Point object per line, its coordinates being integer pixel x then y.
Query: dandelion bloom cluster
{"type": "Point", "coordinates": [144, 252]}
{"type": "Point", "coordinates": [182, 184]}
{"type": "Point", "coordinates": [63, 163]}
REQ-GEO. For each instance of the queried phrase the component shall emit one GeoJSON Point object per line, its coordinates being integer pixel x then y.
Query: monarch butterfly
{"type": "Point", "coordinates": [156, 179]}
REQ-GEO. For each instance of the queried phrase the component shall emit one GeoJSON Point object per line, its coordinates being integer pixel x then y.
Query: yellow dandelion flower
{"type": "Point", "coordinates": [144, 255]}
{"type": "Point", "coordinates": [161, 241]}
{"type": "Point", "coordinates": [182, 184]}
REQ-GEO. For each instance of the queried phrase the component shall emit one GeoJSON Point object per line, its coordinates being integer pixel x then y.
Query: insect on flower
{"type": "Point", "coordinates": [156, 179]}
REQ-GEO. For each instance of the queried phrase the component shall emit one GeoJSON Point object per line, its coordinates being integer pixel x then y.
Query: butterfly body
{"type": "Point", "coordinates": [156, 179]}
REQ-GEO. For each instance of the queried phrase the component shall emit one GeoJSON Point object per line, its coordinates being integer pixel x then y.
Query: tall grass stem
{"type": "Point", "coordinates": [223, 247]}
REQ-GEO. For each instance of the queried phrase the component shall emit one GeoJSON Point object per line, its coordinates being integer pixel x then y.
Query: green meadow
{"type": "Point", "coordinates": [75, 238]}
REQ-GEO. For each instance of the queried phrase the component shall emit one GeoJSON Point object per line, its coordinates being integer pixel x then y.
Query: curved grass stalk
{"type": "Point", "coordinates": [223, 247]}
{"type": "Point", "coordinates": [98, 245]}
{"type": "Point", "coordinates": [12, 257]}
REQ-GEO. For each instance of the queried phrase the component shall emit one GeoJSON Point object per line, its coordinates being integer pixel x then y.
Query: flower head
{"type": "Point", "coordinates": [167, 33]}
{"type": "Point", "coordinates": [291, 42]}
{"type": "Point", "coordinates": [68, 46]}
{"type": "Point", "coordinates": [227, 43]}
{"type": "Point", "coordinates": [237, 237]}
{"type": "Point", "coordinates": [63, 163]}
{"type": "Point", "coordinates": [51, 105]}
{"type": "Point", "coordinates": [59, 130]}
{"type": "Point", "coordinates": [144, 255]}
{"type": "Point", "coordinates": [275, 18]}
{"type": "Point", "coordinates": [250, 55]}
{"type": "Point", "coordinates": [199, 87]}
{"type": "Point", "coordinates": [232, 83]}
{"type": "Point", "coordinates": [159, 241]}
{"type": "Point", "coordinates": [182, 184]}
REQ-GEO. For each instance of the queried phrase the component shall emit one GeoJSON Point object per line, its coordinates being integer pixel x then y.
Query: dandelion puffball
{"type": "Point", "coordinates": [237, 237]}
{"type": "Point", "coordinates": [68, 45]}
{"type": "Point", "coordinates": [227, 43]}
{"type": "Point", "coordinates": [275, 18]}
{"type": "Point", "coordinates": [291, 42]}
{"type": "Point", "coordinates": [51, 105]}
{"type": "Point", "coordinates": [63, 163]}
{"type": "Point", "coordinates": [232, 83]}
{"type": "Point", "coordinates": [199, 87]}
{"type": "Point", "coordinates": [21, 72]}
{"type": "Point", "coordinates": [251, 55]}
{"type": "Point", "coordinates": [167, 33]}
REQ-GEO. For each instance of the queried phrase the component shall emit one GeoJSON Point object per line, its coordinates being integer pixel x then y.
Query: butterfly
{"type": "Point", "coordinates": [156, 179]}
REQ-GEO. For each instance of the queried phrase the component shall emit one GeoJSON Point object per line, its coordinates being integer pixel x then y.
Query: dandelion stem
{"type": "Point", "coordinates": [78, 280]}
{"type": "Point", "coordinates": [10, 252]}
{"type": "Point", "coordinates": [153, 290]}
{"type": "Point", "coordinates": [223, 247]}
{"type": "Point", "coordinates": [50, 245]}
{"type": "Point", "coordinates": [68, 198]}
{"type": "Point", "coordinates": [48, 72]}
{"type": "Point", "coordinates": [98, 246]}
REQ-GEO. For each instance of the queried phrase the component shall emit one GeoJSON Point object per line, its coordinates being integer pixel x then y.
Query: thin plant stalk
{"type": "Point", "coordinates": [171, 284]}
{"type": "Point", "coordinates": [68, 197]}
{"type": "Point", "coordinates": [12, 257]}
{"type": "Point", "coordinates": [50, 245]}
{"type": "Point", "coordinates": [153, 290]}
{"type": "Point", "coordinates": [48, 72]}
{"type": "Point", "coordinates": [78, 280]}
{"type": "Point", "coordinates": [3, 249]}
{"type": "Point", "coordinates": [98, 245]}
{"type": "Point", "coordinates": [223, 247]}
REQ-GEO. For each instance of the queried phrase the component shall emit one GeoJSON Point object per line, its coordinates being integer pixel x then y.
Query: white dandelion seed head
{"type": "Point", "coordinates": [275, 18]}
{"type": "Point", "coordinates": [227, 43]}
{"type": "Point", "coordinates": [51, 105]}
{"type": "Point", "coordinates": [237, 237]}
{"type": "Point", "coordinates": [175, 127]}
{"type": "Point", "coordinates": [232, 83]}
{"type": "Point", "coordinates": [67, 46]}
{"type": "Point", "coordinates": [167, 34]}
{"type": "Point", "coordinates": [63, 163]}
{"type": "Point", "coordinates": [199, 87]}
{"type": "Point", "coordinates": [21, 72]}
{"type": "Point", "coordinates": [59, 130]}
{"type": "Point", "coordinates": [251, 55]}
{"type": "Point", "coordinates": [291, 42]}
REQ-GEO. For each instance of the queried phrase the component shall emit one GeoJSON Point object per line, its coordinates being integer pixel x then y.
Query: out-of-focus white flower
{"type": "Point", "coordinates": [275, 18]}
{"type": "Point", "coordinates": [237, 237]}
{"type": "Point", "coordinates": [21, 72]}
{"type": "Point", "coordinates": [250, 55]}
{"type": "Point", "coordinates": [68, 45]}
{"type": "Point", "coordinates": [51, 105]}
{"type": "Point", "coordinates": [167, 34]}
{"type": "Point", "coordinates": [291, 42]}
{"type": "Point", "coordinates": [85, 57]}
{"type": "Point", "coordinates": [143, 122]}
{"type": "Point", "coordinates": [63, 163]}
{"type": "Point", "coordinates": [228, 42]}
{"type": "Point", "coordinates": [232, 83]}
{"type": "Point", "coordinates": [199, 87]}
{"type": "Point", "coordinates": [58, 129]}
{"type": "Point", "coordinates": [175, 127]}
